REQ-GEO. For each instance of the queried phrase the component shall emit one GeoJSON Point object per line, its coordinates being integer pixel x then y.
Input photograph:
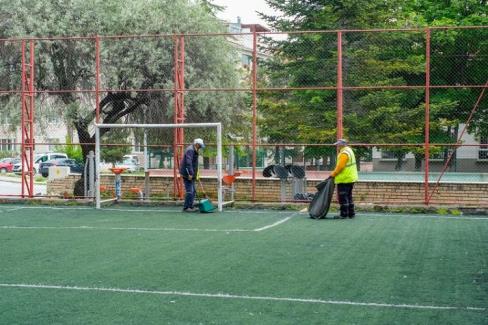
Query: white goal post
{"type": "Point", "coordinates": [217, 126]}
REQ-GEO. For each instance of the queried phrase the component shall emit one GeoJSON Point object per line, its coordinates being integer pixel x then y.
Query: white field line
{"type": "Point", "coordinates": [137, 228]}
{"type": "Point", "coordinates": [108, 200]}
{"type": "Point", "coordinates": [14, 209]}
{"type": "Point", "coordinates": [243, 297]}
{"type": "Point", "coordinates": [275, 224]}
{"type": "Point", "coordinates": [367, 214]}
{"type": "Point", "coordinates": [142, 210]}
{"type": "Point", "coordinates": [127, 228]}
{"type": "Point", "coordinates": [421, 216]}
{"type": "Point", "coordinates": [152, 229]}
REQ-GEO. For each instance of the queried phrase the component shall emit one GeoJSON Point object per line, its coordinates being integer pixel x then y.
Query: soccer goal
{"type": "Point", "coordinates": [101, 153]}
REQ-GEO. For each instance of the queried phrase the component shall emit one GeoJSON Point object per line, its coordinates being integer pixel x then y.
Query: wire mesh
{"type": "Point", "coordinates": [297, 60]}
{"type": "Point", "coordinates": [383, 59]}
{"type": "Point", "coordinates": [283, 99]}
{"type": "Point", "coordinates": [459, 57]}
{"type": "Point", "coordinates": [10, 67]}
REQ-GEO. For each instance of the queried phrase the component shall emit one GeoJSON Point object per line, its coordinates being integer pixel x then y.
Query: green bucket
{"type": "Point", "coordinates": [206, 206]}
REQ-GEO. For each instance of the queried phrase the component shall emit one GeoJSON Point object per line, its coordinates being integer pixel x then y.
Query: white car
{"type": "Point", "coordinates": [38, 158]}
{"type": "Point", "coordinates": [130, 165]}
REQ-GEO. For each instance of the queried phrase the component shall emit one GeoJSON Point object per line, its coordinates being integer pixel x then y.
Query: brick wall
{"type": "Point", "coordinates": [268, 190]}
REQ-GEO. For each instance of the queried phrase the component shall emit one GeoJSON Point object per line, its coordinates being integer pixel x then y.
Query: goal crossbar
{"type": "Point", "coordinates": [217, 126]}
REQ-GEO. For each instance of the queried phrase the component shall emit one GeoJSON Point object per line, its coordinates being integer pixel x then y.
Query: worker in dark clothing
{"type": "Point", "coordinates": [189, 172]}
{"type": "Point", "coordinates": [345, 175]}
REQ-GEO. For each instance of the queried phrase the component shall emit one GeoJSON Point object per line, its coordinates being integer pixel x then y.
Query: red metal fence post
{"type": "Point", "coordinates": [340, 89]}
{"type": "Point", "coordinates": [254, 110]}
{"type": "Point", "coordinates": [27, 119]}
{"type": "Point", "coordinates": [427, 115]}
{"type": "Point", "coordinates": [179, 111]}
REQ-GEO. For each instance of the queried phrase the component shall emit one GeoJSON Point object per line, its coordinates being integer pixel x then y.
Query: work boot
{"type": "Point", "coordinates": [351, 213]}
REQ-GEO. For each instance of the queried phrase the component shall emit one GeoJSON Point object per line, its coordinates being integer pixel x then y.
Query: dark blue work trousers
{"type": "Point", "coordinates": [190, 193]}
{"type": "Point", "coordinates": [345, 200]}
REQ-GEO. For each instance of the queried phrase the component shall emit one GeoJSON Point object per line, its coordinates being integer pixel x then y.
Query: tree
{"type": "Point", "coordinates": [128, 63]}
{"type": "Point", "coordinates": [303, 60]}
{"type": "Point", "coordinates": [374, 59]}
{"type": "Point", "coordinates": [115, 154]}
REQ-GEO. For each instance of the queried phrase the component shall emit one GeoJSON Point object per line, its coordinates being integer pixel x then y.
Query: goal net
{"type": "Point", "coordinates": [136, 161]}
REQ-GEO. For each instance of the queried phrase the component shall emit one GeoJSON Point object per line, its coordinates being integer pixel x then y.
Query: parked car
{"type": "Point", "coordinates": [38, 159]}
{"type": "Point", "coordinates": [74, 167]}
{"type": "Point", "coordinates": [133, 157]}
{"type": "Point", "coordinates": [130, 165]}
{"type": "Point", "coordinates": [7, 164]}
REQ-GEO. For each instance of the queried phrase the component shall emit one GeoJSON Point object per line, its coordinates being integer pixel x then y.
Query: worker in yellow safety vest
{"type": "Point", "coordinates": [345, 175]}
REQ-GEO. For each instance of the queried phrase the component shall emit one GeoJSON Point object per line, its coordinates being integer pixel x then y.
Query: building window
{"type": "Point", "coordinates": [7, 145]}
{"type": "Point", "coordinates": [483, 152]}
{"type": "Point", "coordinates": [385, 154]}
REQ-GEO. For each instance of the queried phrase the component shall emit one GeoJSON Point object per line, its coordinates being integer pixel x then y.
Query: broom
{"type": "Point", "coordinates": [205, 205]}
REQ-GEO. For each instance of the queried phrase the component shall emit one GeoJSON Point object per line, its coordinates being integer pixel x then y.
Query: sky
{"type": "Point", "coordinates": [246, 9]}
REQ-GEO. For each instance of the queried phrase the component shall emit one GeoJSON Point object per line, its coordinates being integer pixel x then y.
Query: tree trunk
{"type": "Point", "coordinates": [399, 162]}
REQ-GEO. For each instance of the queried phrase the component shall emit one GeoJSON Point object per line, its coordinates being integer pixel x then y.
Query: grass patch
{"type": "Point", "coordinates": [389, 259]}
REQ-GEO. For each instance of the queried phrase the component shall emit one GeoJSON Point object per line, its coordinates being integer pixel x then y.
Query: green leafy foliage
{"type": "Point", "coordinates": [375, 59]}
{"type": "Point", "coordinates": [126, 63]}
{"type": "Point", "coordinates": [114, 154]}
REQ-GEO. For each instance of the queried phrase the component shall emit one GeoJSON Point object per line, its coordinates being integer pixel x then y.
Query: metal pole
{"type": "Point", "coordinates": [219, 166]}
{"type": "Point", "coordinates": [146, 167]}
{"type": "Point", "coordinates": [97, 167]}
{"type": "Point", "coordinates": [27, 119]}
{"type": "Point", "coordinates": [22, 117]}
{"type": "Point", "coordinates": [427, 115]}
{"type": "Point", "coordinates": [157, 126]}
{"type": "Point", "coordinates": [179, 110]}
{"type": "Point", "coordinates": [254, 112]}
{"type": "Point", "coordinates": [340, 88]}
{"type": "Point", "coordinates": [91, 173]}
{"type": "Point", "coordinates": [85, 178]}
{"type": "Point", "coordinates": [97, 78]}
{"type": "Point", "coordinates": [31, 119]}
{"type": "Point", "coordinates": [146, 157]}
{"type": "Point", "coordinates": [230, 171]}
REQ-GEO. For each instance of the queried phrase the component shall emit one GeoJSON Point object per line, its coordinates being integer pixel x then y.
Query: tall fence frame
{"type": "Point", "coordinates": [180, 90]}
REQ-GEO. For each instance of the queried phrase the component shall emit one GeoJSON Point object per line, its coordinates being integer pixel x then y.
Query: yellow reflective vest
{"type": "Point", "coordinates": [350, 173]}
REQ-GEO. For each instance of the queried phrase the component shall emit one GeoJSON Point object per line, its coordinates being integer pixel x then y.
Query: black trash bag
{"type": "Point", "coordinates": [288, 168]}
{"type": "Point", "coordinates": [297, 171]}
{"type": "Point", "coordinates": [319, 207]}
{"type": "Point", "coordinates": [268, 171]}
{"type": "Point", "coordinates": [280, 171]}
{"type": "Point", "coordinates": [304, 196]}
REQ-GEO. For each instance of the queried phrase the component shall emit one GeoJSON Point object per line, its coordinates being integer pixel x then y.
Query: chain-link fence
{"type": "Point", "coordinates": [412, 104]}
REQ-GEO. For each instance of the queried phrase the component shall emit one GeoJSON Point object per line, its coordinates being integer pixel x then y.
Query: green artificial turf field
{"type": "Point", "coordinates": [161, 266]}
